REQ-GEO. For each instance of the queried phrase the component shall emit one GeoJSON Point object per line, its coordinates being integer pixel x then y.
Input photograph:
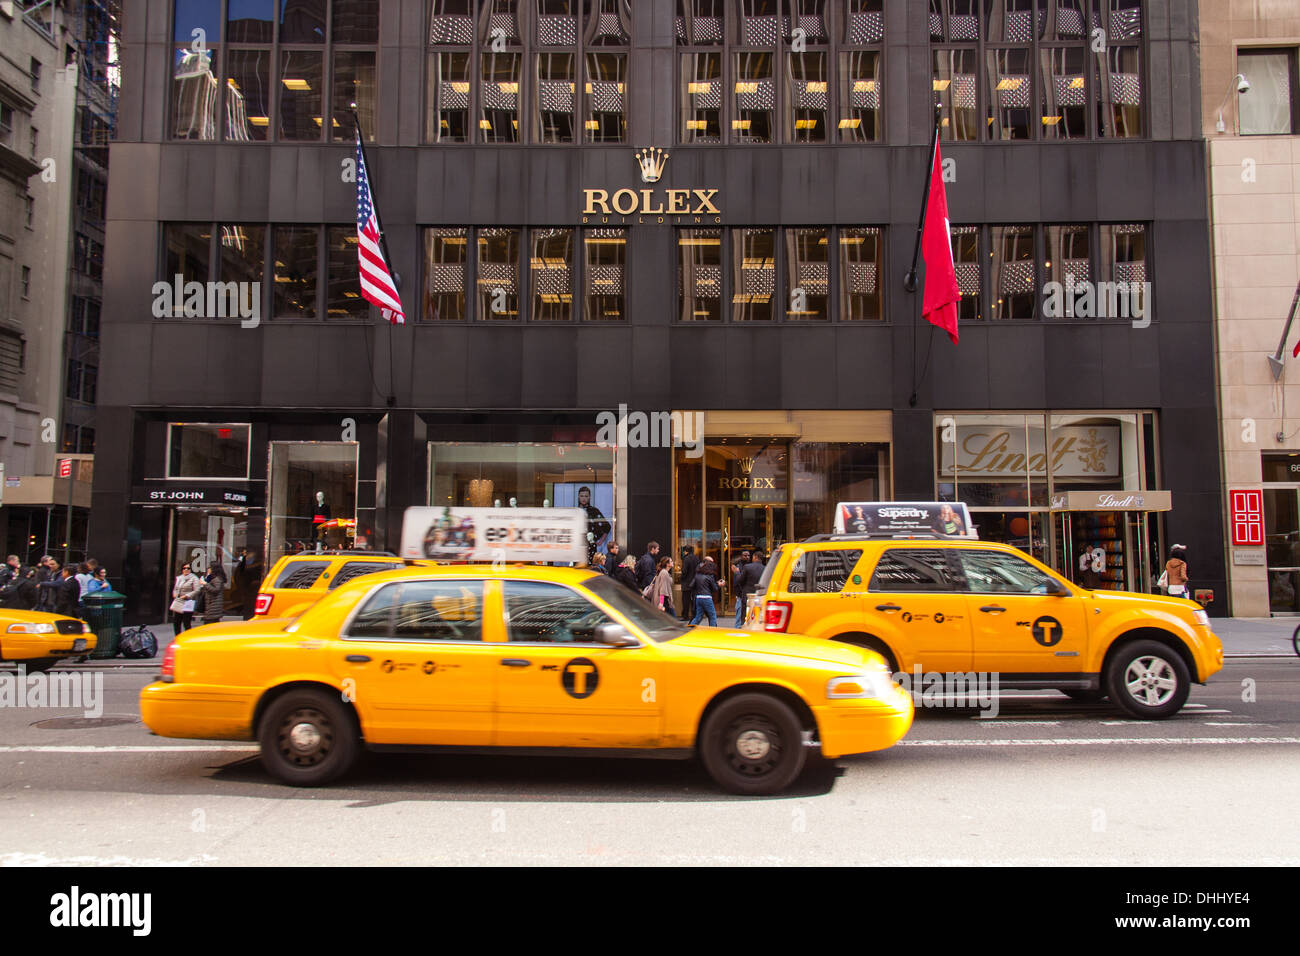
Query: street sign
{"type": "Point", "coordinates": [65, 467]}
{"type": "Point", "coordinates": [1247, 507]}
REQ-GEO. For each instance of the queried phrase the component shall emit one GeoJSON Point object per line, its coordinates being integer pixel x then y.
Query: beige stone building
{"type": "Point", "coordinates": [1249, 111]}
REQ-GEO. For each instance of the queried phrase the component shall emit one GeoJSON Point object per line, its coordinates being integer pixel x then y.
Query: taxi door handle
{"type": "Point", "coordinates": [992, 609]}
{"type": "Point", "coordinates": [888, 607]}
{"type": "Point", "coordinates": [357, 658]}
{"type": "Point", "coordinates": [515, 662]}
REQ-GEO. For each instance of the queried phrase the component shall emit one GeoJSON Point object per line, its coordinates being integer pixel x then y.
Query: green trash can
{"type": "Point", "coordinates": [103, 612]}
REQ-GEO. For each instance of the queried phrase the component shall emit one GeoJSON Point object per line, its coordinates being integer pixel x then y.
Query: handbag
{"type": "Point", "coordinates": [187, 606]}
{"type": "Point", "coordinates": [178, 605]}
{"type": "Point", "coordinates": [1163, 580]}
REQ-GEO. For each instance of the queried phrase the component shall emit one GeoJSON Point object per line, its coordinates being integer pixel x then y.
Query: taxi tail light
{"type": "Point", "coordinates": [169, 663]}
{"type": "Point", "coordinates": [263, 604]}
{"type": "Point", "coordinates": [776, 615]}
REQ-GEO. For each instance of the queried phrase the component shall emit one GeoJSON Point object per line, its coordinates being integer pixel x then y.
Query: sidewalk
{"type": "Point", "coordinates": [1241, 636]}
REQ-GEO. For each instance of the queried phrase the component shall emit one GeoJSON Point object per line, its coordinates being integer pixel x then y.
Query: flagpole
{"type": "Point", "coordinates": [909, 281]}
{"type": "Point", "coordinates": [383, 244]}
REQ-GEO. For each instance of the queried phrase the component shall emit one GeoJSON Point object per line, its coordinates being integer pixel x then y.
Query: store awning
{"type": "Point", "coordinates": [1112, 501]}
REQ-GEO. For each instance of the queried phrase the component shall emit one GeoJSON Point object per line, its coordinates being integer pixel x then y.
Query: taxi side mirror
{"type": "Point", "coordinates": [615, 635]}
{"type": "Point", "coordinates": [1056, 589]}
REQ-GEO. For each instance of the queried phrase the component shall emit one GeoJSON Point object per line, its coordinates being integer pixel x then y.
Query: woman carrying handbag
{"type": "Point", "coordinates": [184, 592]}
{"type": "Point", "coordinates": [660, 591]}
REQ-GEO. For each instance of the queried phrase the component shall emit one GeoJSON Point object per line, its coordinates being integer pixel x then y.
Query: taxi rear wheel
{"type": "Point", "coordinates": [753, 744]}
{"type": "Point", "coordinates": [308, 738]}
{"type": "Point", "coordinates": [1149, 680]}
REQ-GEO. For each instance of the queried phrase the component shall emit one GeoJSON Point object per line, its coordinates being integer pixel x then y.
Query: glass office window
{"type": "Point", "coordinates": [248, 94]}
{"type": "Point", "coordinates": [343, 285]}
{"type": "Point", "coordinates": [754, 106]}
{"type": "Point", "coordinates": [808, 268]}
{"type": "Point", "coordinates": [807, 97]}
{"type": "Point", "coordinates": [701, 97]}
{"type": "Point", "coordinates": [605, 96]}
{"type": "Point", "coordinates": [553, 97]}
{"type": "Point", "coordinates": [970, 280]}
{"type": "Point", "coordinates": [699, 274]}
{"type": "Point", "coordinates": [300, 95]}
{"type": "Point", "coordinates": [499, 97]}
{"type": "Point", "coordinates": [753, 257]}
{"type": "Point", "coordinates": [1014, 272]}
{"type": "Point", "coordinates": [551, 274]}
{"type": "Point", "coordinates": [860, 93]}
{"type": "Point", "coordinates": [447, 118]}
{"type": "Point", "coordinates": [354, 82]}
{"type": "Point", "coordinates": [296, 257]}
{"type": "Point", "coordinates": [498, 274]}
{"type": "Point", "coordinates": [604, 271]}
{"type": "Point", "coordinates": [861, 266]}
{"type": "Point", "coordinates": [445, 278]}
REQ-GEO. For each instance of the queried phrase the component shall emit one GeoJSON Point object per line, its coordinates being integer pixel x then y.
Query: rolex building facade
{"type": "Point", "coordinates": [651, 256]}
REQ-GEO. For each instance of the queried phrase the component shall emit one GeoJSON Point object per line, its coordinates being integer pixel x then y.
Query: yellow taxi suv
{"type": "Point", "coordinates": [520, 658]}
{"type": "Point", "coordinates": [39, 640]}
{"type": "Point", "coordinates": [299, 580]}
{"type": "Point", "coordinates": [956, 605]}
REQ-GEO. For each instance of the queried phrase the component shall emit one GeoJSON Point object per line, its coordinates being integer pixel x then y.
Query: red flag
{"type": "Point", "coordinates": [939, 302]}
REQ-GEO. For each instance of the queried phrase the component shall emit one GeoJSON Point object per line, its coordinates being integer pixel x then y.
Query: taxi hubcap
{"type": "Point", "coordinates": [306, 737]}
{"type": "Point", "coordinates": [1151, 680]}
{"type": "Point", "coordinates": [754, 745]}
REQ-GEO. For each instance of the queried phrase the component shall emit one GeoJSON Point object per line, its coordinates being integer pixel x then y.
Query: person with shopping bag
{"type": "Point", "coordinates": [184, 591]}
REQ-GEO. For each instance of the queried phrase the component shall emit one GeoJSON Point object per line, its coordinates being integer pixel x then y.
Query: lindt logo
{"type": "Point", "coordinates": [1110, 501]}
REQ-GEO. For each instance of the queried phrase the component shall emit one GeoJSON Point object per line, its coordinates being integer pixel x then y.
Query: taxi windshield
{"type": "Point", "coordinates": [656, 624]}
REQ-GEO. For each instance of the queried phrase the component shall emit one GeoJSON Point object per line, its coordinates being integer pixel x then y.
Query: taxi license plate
{"type": "Point", "coordinates": [79, 644]}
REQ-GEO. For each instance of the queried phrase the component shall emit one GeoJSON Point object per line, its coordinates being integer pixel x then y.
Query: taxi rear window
{"type": "Point", "coordinates": [354, 569]}
{"type": "Point", "coordinates": [300, 574]}
{"type": "Point", "coordinates": [913, 569]}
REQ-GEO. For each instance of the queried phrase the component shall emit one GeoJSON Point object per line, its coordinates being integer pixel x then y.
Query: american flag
{"type": "Point", "coordinates": [377, 283]}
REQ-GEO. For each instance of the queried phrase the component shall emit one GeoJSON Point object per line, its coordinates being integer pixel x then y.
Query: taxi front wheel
{"type": "Point", "coordinates": [1149, 680]}
{"type": "Point", "coordinates": [308, 738]}
{"type": "Point", "coordinates": [753, 744]}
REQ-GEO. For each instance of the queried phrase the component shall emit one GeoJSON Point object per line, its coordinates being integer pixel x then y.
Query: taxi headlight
{"type": "Point", "coordinates": [870, 684]}
{"type": "Point", "coordinates": [85, 628]}
{"type": "Point", "coordinates": [1202, 618]}
{"type": "Point", "coordinates": [42, 628]}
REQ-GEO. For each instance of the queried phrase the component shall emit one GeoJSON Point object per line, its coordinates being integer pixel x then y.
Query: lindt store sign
{"type": "Point", "coordinates": [991, 451]}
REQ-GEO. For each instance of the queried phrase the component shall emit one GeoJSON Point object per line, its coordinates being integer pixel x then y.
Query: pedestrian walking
{"type": "Point", "coordinates": [214, 594]}
{"type": "Point", "coordinates": [625, 574]}
{"type": "Point", "coordinates": [99, 582]}
{"type": "Point", "coordinates": [661, 588]}
{"type": "Point", "coordinates": [47, 569]}
{"type": "Point", "coordinates": [745, 581]}
{"type": "Point", "coordinates": [646, 565]}
{"type": "Point", "coordinates": [67, 592]}
{"type": "Point", "coordinates": [597, 562]}
{"type": "Point", "coordinates": [614, 559]}
{"type": "Point", "coordinates": [690, 562]}
{"type": "Point", "coordinates": [9, 572]}
{"type": "Point", "coordinates": [184, 591]}
{"type": "Point", "coordinates": [706, 591]}
{"type": "Point", "coordinates": [1176, 573]}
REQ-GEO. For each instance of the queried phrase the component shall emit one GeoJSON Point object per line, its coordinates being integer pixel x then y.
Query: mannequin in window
{"type": "Point", "coordinates": [320, 512]}
{"type": "Point", "coordinates": [514, 502]}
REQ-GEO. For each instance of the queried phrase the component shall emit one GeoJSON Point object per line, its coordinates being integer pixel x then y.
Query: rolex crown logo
{"type": "Point", "coordinates": [651, 161]}
{"type": "Point", "coordinates": [746, 465]}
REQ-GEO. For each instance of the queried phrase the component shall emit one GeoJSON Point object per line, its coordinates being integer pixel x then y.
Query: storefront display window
{"type": "Point", "coordinates": [207, 451]}
{"type": "Point", "coordinates": [526, 475]}
{"type": "Point", "coordinates": [312, 497]}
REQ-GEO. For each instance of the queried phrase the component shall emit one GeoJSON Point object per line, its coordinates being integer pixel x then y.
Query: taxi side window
{"type": "Point", "coordinates": [300, 574]}
{"type": "Point", "coordinates": [799, 575]}
{"type": "Point", "coordinates": [912, 570]}
{"type": "Point", "coordinates": [993, 572]}
{"type": "Point", "coordinates": [549, 613]}
{"type": "Point", "coordinates": [423, 611]}
{"type": "Point", "coordinates": [823, 572]}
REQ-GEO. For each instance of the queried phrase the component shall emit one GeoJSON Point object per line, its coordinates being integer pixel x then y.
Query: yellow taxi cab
{"type": "Point", "coordinates": [39, 640]}
{"type": "Point", "coordinates": [524, 658]}
{"type": "Point", "coordinates": [299, 580]}
{"type": "Point", "coordinates": [959, 605]}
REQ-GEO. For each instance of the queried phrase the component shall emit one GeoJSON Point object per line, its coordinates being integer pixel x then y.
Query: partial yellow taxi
{"type": "Point", "coordinates": [39, 640]}
{"type": "Point", "coordinates": [951, 605]}
{"type": "Point", "coordinates": [299, 580]}
{"type": "Point", "coordinates": [531, 658]}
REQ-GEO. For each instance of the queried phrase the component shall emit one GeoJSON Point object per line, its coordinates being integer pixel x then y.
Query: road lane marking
{"type": "Point", "coordinates": [994, 722]}
{"type": "Point", "coordinates": [1096, 741]}
{"type": "Point", "coordinates": [107, 749]}
{"type": "Point", "coordinates": [1232, 723]}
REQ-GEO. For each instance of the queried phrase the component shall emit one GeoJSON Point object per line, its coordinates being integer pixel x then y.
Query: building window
{"type": "Point", "coordinates": [604, 266]}
{"type": "Point", "coordinates": [551, 274]}
{"type": "Point", "coordinates": [446, 274]}
{"type": "Point", "coordinates": [860, 71]}
{"type": "Point", "coordinates": [861, 267]}
{"type": "Point", "coordinates": [498, 274]}
{"type": "Point", "coordinates": [1271, 105]}
{"type": "Point", "coordinates": [6, 125]}
{"type": "Point", "coordinates": [207, 451]}
{"type": "Point", "coordinates": [1124, 265]}
{"type": "Point", "coordinates": [753, 278]}
{"type": "Point", "coordinates": [296, 258]}
{"type": "Point", "coordinates": [701, 97]}
{"type": "Point", "coordinates": [241, 255]}
{"type": "Point", "coordinates": [969, 265]}
{"type": "Point", "coordinates": [1067, 269]}
{"type": "Point", "coordinates": [25, 282]}
{"type": "Point", "coordinates": [1037, 80]}
{"type": "Point", "coordinates": [311, 497]}
{"type": "Point", "coordinates": [1014, 272]}
{"type": "Point", "coordinates": [187, 252]}
{"type": "Point", "coordinates": [699, 274]}
{"type": "Point", "coordinates": [29, 211]}
{"type": "Point", "coordinates": [808, 266]}
{"type": "Point", "coordinates": [35, 137]}
{"type": "Point", "coordinates": [36, 75]}
{"type": "Point", "coordinates": [343, 283]}
{"type": "Point", "coordinates": [311, 62]}
{"type": "Point", "coordinates": [488, 79]}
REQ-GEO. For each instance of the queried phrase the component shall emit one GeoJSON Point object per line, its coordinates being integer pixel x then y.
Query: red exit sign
{"type": "Point", "coordinates": [1247, 517]}
{"type": "Point", "coordinates": [65, 467]}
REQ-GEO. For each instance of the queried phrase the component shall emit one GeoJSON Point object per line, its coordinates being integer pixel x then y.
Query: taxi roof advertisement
{"type": "Point", "coordinates": [899, 517]}
{"type": "Point", "coordinates": [496, 534]}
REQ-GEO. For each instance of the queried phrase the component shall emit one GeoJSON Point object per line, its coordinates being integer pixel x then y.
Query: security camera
{"type": "Point", "coordinates": [1243, 84]}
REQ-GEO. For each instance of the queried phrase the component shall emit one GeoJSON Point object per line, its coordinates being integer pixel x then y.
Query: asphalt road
{"type": "Point", "coordinates": [1047, 781]}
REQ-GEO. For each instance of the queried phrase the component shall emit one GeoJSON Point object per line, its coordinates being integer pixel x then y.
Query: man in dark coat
{"type": "Point", "coordinates": [690, 562]}
{"type": "Point", "coordinates": [613, 557]}
{"type": "Point", "coordinates": [68, 593]}
{"type": "Point", "coordinates": [645, 565]}
{"type": "Point", "coordinates": [746, 584]}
